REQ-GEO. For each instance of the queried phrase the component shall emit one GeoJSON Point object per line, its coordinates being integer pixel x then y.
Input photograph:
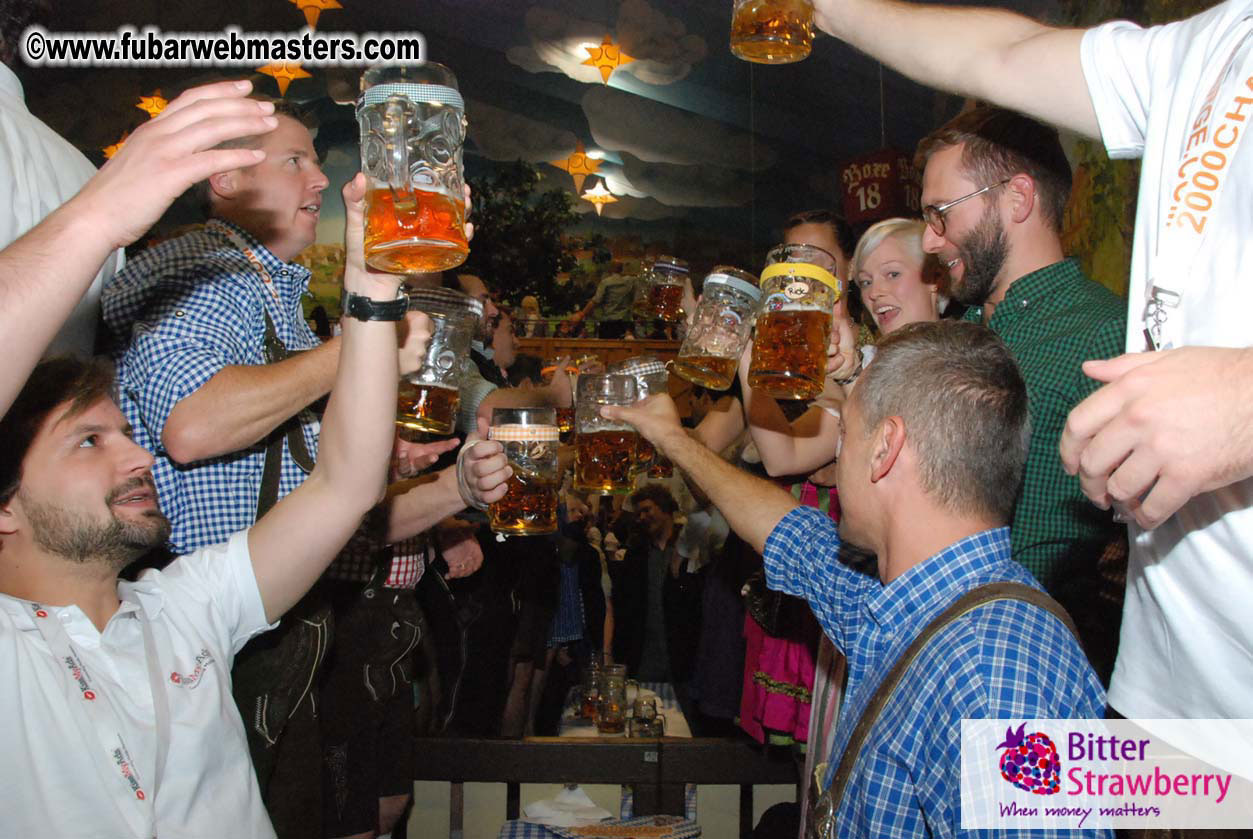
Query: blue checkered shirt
{"type": "Point", "coordinates": [177, 314]}
{"type": "Point", "coordinates": [1005, 659]}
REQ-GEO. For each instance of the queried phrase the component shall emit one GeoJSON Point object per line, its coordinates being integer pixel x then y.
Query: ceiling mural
{"type": "Point", "coordinates": [662, 116]}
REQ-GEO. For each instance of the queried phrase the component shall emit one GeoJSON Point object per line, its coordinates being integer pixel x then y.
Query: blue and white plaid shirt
{"type": "Point", "coordinates": [177, 314]}
{"type": "Point", "coordinates": [1006, 659]}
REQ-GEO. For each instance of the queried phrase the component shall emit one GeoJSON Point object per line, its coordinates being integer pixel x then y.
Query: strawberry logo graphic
{"type": "Point", "coordinates": [1030, 761]}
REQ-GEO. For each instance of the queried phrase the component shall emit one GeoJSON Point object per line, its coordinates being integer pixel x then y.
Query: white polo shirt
{"type": "Point", "coordinates": [203, 608]}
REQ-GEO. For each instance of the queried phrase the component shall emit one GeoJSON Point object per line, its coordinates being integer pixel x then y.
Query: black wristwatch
{"type": "Point", "coordinates": [363, 308]}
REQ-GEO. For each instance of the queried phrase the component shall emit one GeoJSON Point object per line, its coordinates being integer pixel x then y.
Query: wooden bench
{"type": "Point", "coordinates": [657, 769]}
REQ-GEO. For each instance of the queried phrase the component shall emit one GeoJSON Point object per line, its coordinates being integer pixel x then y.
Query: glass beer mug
{"type": "Point", "coordinates": [799, 291]}
{"type": "Point", "coordinates": [650, 377]}
{"type": "Point", "coordinates": [413, 126]}
{"type": "Point", "coordinates": [428, 399]}
{"type": "Point", "coordinates": [530, 437]}
{"type": "Point", "coordinates": [720, 328]}
{"type": "Point", "coordinates": [772, 31]}
{"type": "Point", "coordinates": [604, 450]}
{"type": "Point", "coordinates": [665, 289]}
{"type": "Point", "coordinates": [611, 707]}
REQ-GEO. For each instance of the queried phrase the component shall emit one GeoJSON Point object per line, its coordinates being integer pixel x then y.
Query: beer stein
{"type": "Point", "coordinates": [530, 437]}
{"type": "Point", "coordinates": [413, 127]}
{"type": "Point", "coordinates": [611, 708]}
{"type": "Point", "coordinates": [645, 721]}
{"type": "Point", "coordinates": [429, 398]}
{"type": "Point", "coordinates": [589, 688]}
{"type": "Point", "coordinates": [720, 328]}
{"type": "Point", "coordinates": [650, 377]}
{"type": "Point", "coordinates": [665, 289]}
{"type": "Point", "coordinates": [799, 291]}
{"type": "Point", "coordinates": [772, 31]}
{"type": "Point", "coordinates": [604, 450]}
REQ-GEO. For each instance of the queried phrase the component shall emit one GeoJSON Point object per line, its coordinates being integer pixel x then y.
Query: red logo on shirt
{"type": "Point", "coordinates": [192, 679]}
{"type": "Point", "coordinates": [89, 695]}
{"type": "Point", "coordinates": [41, 613]}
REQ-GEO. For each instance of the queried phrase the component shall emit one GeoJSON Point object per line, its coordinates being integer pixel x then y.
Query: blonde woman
{"type": "Point", "coordinates": [897, 280]}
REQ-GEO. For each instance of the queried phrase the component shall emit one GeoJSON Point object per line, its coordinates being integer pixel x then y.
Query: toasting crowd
{"type": "Point", "coordinates": [983, 461]}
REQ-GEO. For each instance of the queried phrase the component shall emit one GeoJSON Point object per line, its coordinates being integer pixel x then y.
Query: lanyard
{"type": "Point", "coordinates": [255, 261]}
{"type": "Point", "coordinates": [1213, 135]}
{"type": "Point", "coordinates": [98, 720]}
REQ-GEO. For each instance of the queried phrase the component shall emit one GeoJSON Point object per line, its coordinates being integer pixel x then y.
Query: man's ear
{"type": "Point", "coordinates": [224, 184]}
{"type": "Point", "coordinates": [8, 517]}
{"type": "Point", "coordinates": [1022, 197]}
{"type": "Point", "coordinates": [889, 439]}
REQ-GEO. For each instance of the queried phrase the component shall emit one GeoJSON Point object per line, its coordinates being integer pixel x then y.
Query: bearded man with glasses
{"type": "Point", "coordinates": [994, 188]}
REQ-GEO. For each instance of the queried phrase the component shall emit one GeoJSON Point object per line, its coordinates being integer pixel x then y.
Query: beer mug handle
{"type": "Point", "coordinates": [394, 119]}
{"type": "Point", "coordinates": [631, 683]}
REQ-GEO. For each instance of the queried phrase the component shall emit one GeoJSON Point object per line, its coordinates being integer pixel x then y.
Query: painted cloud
{"type": "Point", "coordinates": [499, 134]}
{"type": "Point", "coordinates": [663, 50]}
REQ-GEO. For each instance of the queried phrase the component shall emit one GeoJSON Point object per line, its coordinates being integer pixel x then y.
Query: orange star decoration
{"type": "Point", "coordinates": [152, 105]}
{"type": "Point", "coordinates": [579, 165]}
{"type": "Point", "coordinates": [109, 151]}
{"type": "Point", "coordinates": [314, 8]}
{"type": "Point", "coordinates": [606, 58]}
{"type": "Point", "coordinates": [599, 196]}
{"type": "Point", "coordinates": [284, 72]}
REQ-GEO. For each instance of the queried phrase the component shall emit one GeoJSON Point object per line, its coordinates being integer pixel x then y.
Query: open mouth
{"type": "Point", "coordinates": [137, 493]}
{"type": "Point", "coordinates": [312, 209]}
{"type": "Point", "coordinates": [886, 313]}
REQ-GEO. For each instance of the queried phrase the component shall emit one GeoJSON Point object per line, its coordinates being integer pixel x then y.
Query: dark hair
{"type": "Point", "coordinates": [282, 108]}
{"type": "Point", "coordinates": [998, 144]}
{"type": "Point", "coordinates": [525, 367]}
{"type": "Point", "coordinates": [843, 233]}
{"type": "Point", "coordinates": [657, 494]}
{"type": "Point", "coordinates": [15, 16]}
{"type": "Point", "coordinates": [964, 405]}
{"type": "Point", "coordinates": [51, 384]}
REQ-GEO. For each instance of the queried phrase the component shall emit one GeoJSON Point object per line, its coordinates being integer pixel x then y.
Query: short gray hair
{"type": "Point", "coordinates": [964, 405]}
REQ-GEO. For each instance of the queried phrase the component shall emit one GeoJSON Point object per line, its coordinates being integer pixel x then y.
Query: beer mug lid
{"type": "Point", "coordinates": [741, 281]}
{"type": "Point", "coordinates": [444, 301]}
{"type": "Point", "coordinates": [524, 433]}
{"type": "Point", "coordinates": [671, 264]}
{"type": "Point", "coordinates": [643, 367]}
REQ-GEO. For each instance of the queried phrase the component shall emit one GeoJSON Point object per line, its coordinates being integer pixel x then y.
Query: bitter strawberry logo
{"type": "Point", "coordinates": [1030, 761]}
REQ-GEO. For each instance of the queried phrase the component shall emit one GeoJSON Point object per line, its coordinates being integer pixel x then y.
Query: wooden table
{"type": "Point", "coordinates": [658, 769]}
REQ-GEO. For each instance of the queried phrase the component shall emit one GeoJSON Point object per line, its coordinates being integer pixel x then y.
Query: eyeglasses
{"type": "Point", "coordinates": [933, 214]}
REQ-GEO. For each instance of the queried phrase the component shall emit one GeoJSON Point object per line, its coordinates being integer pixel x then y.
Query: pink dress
{"type": "Point", "coordinates": [779, 671]}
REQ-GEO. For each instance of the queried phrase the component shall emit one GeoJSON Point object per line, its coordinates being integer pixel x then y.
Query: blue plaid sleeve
{"type": "Point", "coordinates": [184, 337]}
{"type": "Point", "coordinates": [802, 558]}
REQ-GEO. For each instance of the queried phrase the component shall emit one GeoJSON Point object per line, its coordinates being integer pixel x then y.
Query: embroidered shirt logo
{"type": "Point", "coordinates": [190, 680]}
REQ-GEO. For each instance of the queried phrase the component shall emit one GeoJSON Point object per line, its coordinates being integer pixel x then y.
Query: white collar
{"type": "Point", "coordinates": [10, 84]}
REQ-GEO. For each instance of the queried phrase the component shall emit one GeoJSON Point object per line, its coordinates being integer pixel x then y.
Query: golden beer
{"type": "Point", "coordinates": [422, 234]}
{"type": "Point", "coordinates": [645, 454]}
{"type": "Point", "coordinates": [707, 370]}
{"type": "Point", "coordinates": [427, 407]}
{"type": "Point", "coordinates": [661, 468]}
{"type": "Point", "coordinates": [565, 422]}
{"type": "Point", "coordinates": [603, 460]}
{"type": "Point", "coordinates": [772, 31]}
{"type": "Point", "coordinates": [790, 353]}
{"type": "Point", "coordinates": [665, 302]}
{"type": "Point", "coordinates": [528, 508]}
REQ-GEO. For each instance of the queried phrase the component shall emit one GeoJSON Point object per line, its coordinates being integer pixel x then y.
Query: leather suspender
{"type": "Point", "coordinates": [820, 821]}
{"type": "Point", "coordinates": [292, 431]}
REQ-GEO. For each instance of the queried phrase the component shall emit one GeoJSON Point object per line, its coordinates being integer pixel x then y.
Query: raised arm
{"type": "Point", "coordinates": [750, 505]}
{"type": "Point", "coordinates": [990, 54]}
{"type": "Point", "coordinates": [293, 543]}
{"type": "Point", "coordinates": [45, 272]}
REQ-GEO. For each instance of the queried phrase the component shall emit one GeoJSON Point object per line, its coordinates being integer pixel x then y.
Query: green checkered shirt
{"type": "Point", "coordinates": [1053, 320]}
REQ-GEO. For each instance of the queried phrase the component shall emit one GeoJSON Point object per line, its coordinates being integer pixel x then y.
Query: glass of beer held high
{"type": "Point", "coordinates": [772, 31]}
{"type": "Point", "coordinates": [604, 449]}
{"type": "Point", "coordinates": [413, 126]}
{"type": "Point", "coordinates": [666, 282]}
{"type": "Point", "coordinates": [720, 328]}
{"type": "Point", "coordinates": [799, 291]}
{"type": "Point", "coordinates": [428, 399]}
{"type": "Point", "coordinates": [651, 377]}
{"type": "Point", "coordinates": [530, 437]}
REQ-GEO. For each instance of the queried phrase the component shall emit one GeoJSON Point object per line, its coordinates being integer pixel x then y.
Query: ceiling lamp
{"type": "Point", "coordinates": [314, 8]}
{"type": "Point", "coordinates": [579, 165]}
{"type": "Point", "coordinates": [599, 196]}
{"type": "Point", "coordinates": [152, 105]}
{"type": "Point", "coordinates": [284, 72]}
{"type": "Point", "coordinates": [606, 58]}
{"type": "Point", "coordinates": [109, 151]}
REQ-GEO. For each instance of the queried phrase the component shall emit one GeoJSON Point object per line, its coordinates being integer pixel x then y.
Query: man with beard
{"type": "Point", "coordinates": [994, 189]}
{"type": "Point", "coordinates": [122, 691]}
